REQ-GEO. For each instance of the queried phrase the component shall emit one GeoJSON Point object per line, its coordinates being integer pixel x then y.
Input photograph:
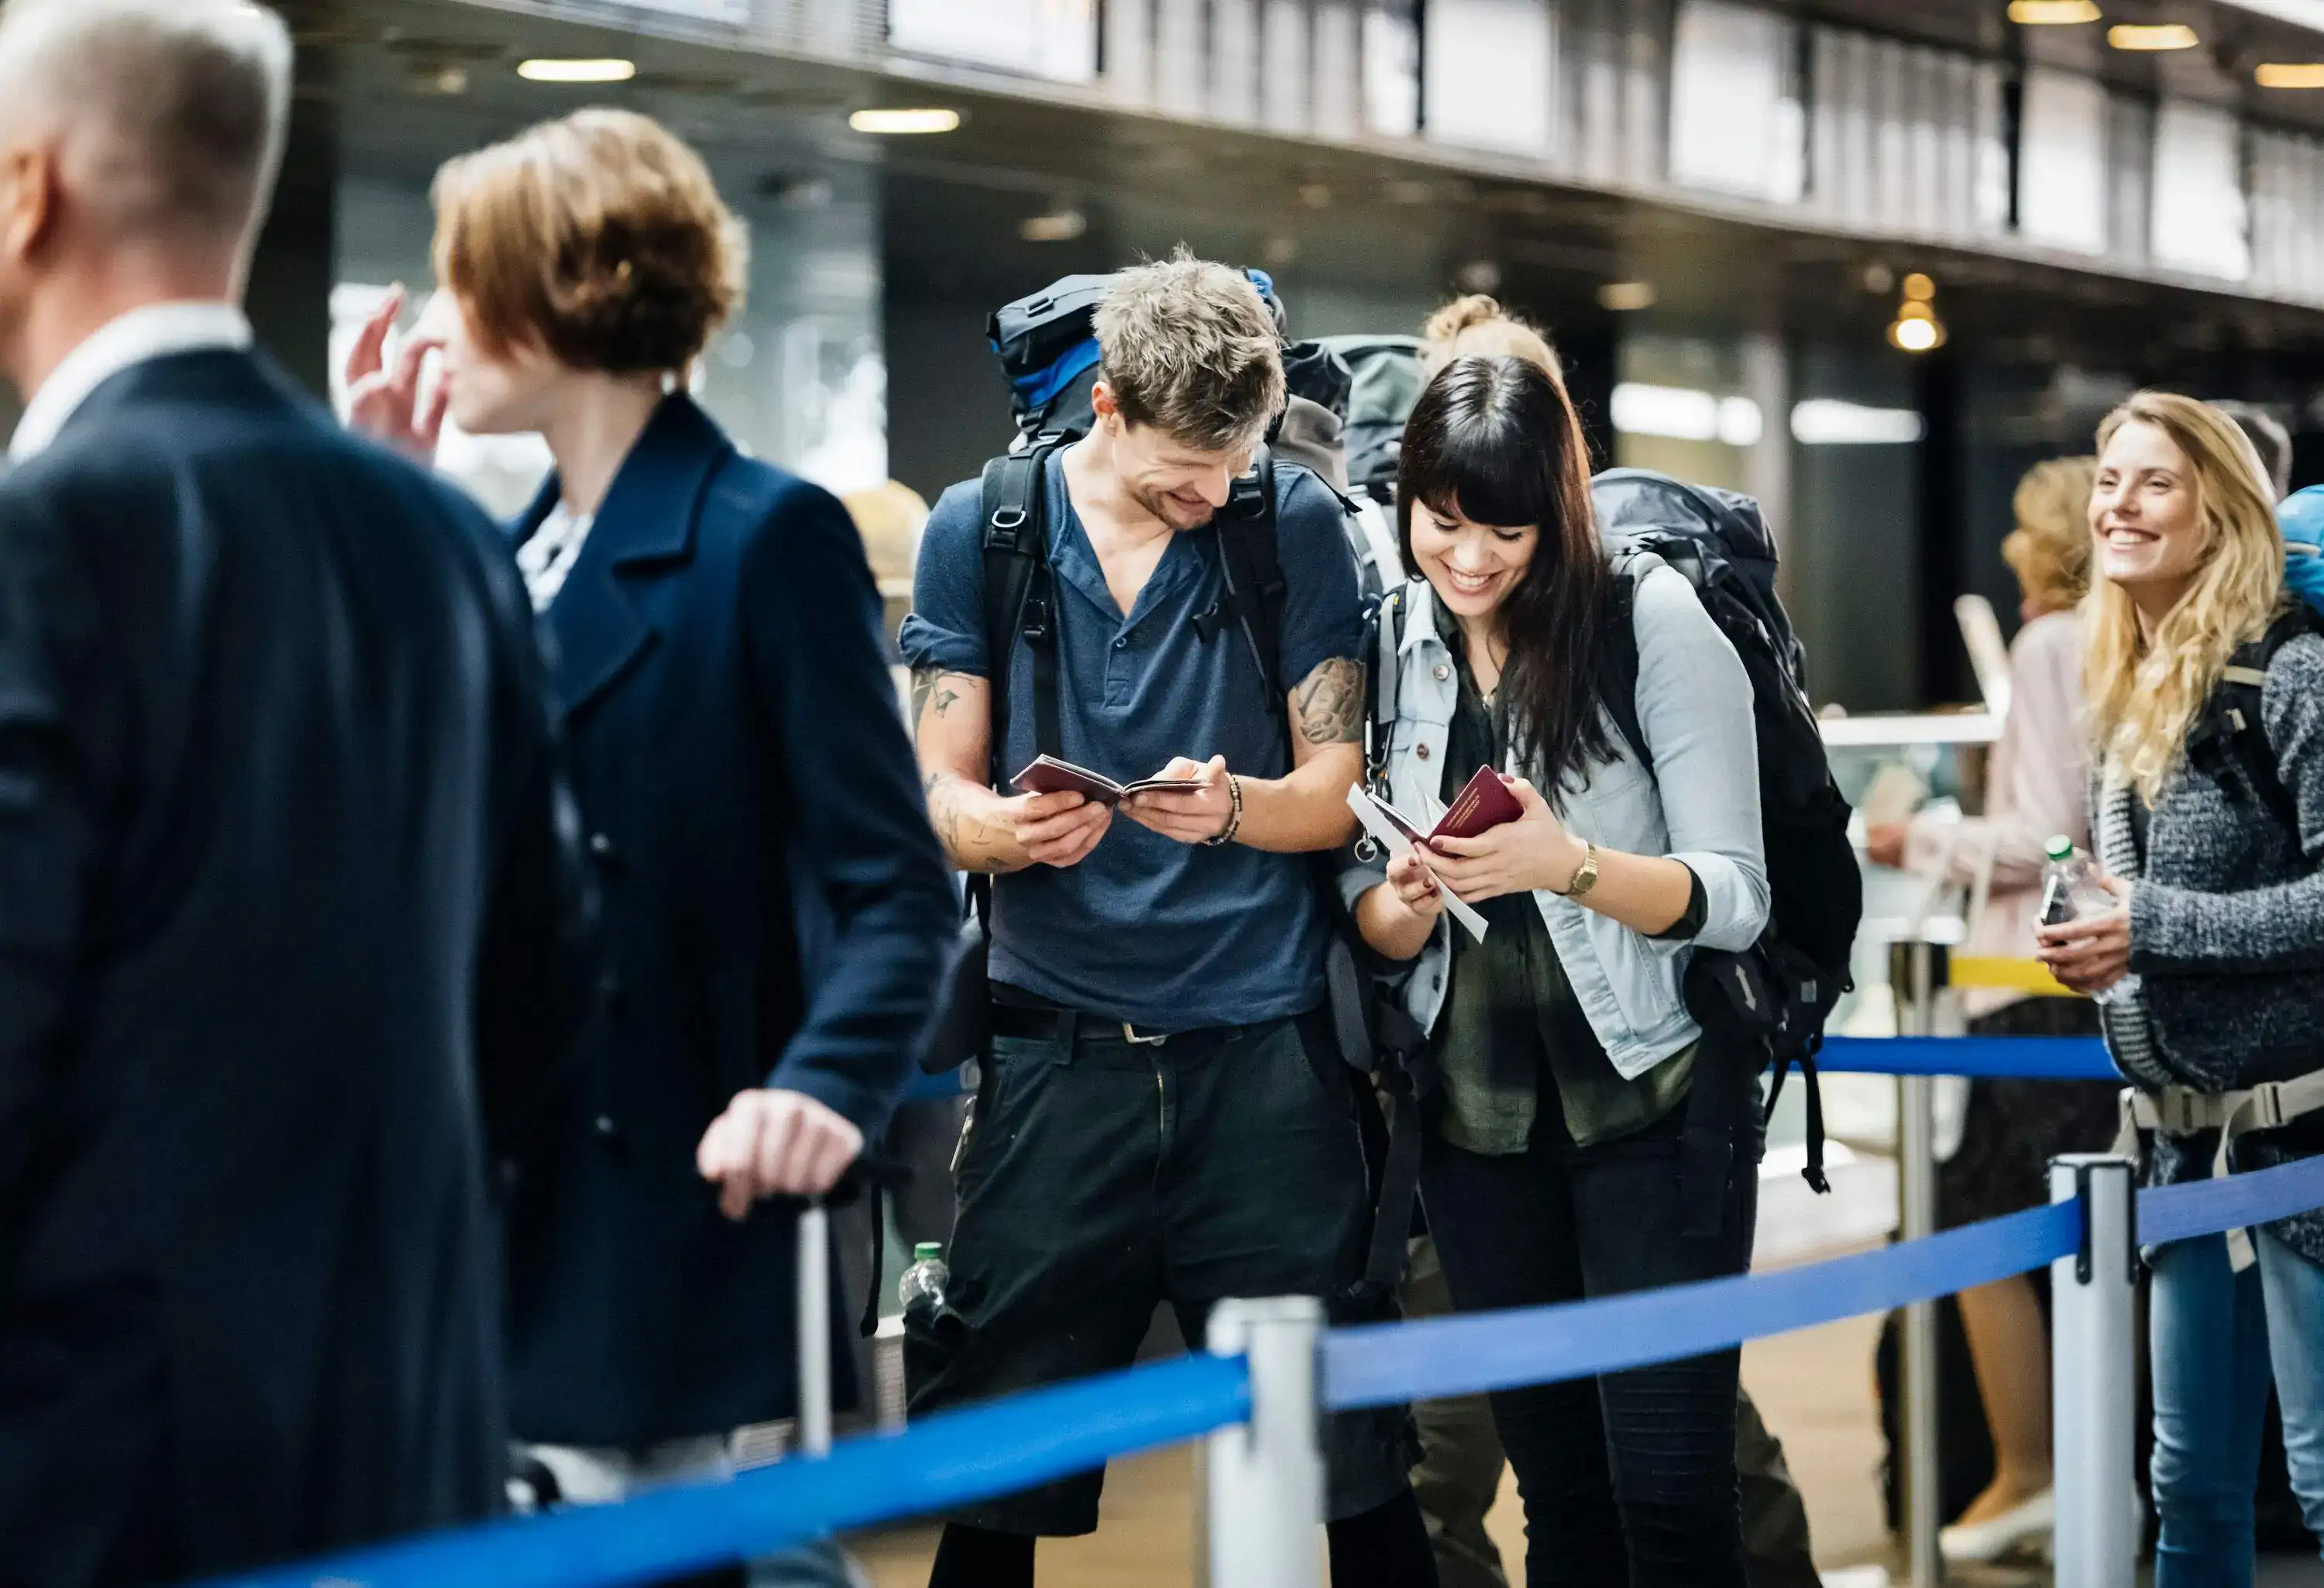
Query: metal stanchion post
{"type": "Point", "coordinates": [1264, 1479]}
{"type": "Point", "coordinates": [1913, 974]}
{"type": "Point", "coordinates": [2093, 1363]}
{"type": "Point", "coordinates": [814, 1329]}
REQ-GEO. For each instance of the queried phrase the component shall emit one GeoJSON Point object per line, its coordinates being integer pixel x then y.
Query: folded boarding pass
{"type": "Point", "coordinates": [1395, 835]}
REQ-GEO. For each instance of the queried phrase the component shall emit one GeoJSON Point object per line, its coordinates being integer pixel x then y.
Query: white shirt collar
{"type": "Point", "coordinates": [155, 331]}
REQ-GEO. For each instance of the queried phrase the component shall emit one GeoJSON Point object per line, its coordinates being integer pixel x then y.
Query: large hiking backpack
{"type": "Point", "coordinates": [1774, 1000]}
{"type": "Point", "coordinates": [1046, 343]}
{"type": "Point", "coordinates": [2229, 736]}
{"type": "Point", "coordinates": [1386, 377]}
{"type": "Point", "coordinates": [2301, 516]}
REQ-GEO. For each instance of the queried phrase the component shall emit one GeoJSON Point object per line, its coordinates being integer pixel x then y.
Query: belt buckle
{"type": "Point", "coordinates": [2267, 1106]}
{"type": "Point", "coordinates": [1130, 1035]}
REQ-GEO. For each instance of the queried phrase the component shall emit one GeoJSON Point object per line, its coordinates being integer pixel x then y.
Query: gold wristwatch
{"type": "Point", "coordinates": [1586, 878]}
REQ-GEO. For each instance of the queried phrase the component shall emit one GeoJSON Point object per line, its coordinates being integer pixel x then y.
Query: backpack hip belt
{"type": "Point", "coordinates": [2181, 1110]}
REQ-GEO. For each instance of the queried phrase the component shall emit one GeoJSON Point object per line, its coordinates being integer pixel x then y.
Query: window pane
{"type": "Point", "coordinates": [1735, 120]}
{"type": "Point", "coordinates": [1489, 67]}
{"type": "Point", "coordinates": [2200, 218]}
{"type": "Point", "coordinates": [2061, 175]}
{"type": "Point", "coordinates": [1040, 38]}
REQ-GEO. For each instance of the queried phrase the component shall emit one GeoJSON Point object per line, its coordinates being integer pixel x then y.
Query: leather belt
{"type": "Point", "coordinates": [1052, 1025]}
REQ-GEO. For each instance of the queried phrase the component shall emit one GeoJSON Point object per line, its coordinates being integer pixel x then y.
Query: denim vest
{"type": "Point", "coordinates": [1699, 804]}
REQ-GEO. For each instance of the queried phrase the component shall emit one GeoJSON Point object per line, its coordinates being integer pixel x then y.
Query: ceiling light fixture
{"type": "Point", "coordinates": [1920, 289]}
{"type": "Point", "coordinates": [2052, 14]}
{"type": "Point", "coordinates": [1625, 297]}
{"type": "Point", "coordinates": [905, 122]}
{"type": "Point", "coordinates": [2284, 74]}
{"type": "Point", "coordinates": [1062, 225]}
{"type": "Point", "coordinates": [2162, 36]}
{"type": "Point", "coordinates": [548, 71]}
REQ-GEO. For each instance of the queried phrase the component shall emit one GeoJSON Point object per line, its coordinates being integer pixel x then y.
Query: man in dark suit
{"type": "Point", "coordinates": [287, 909]}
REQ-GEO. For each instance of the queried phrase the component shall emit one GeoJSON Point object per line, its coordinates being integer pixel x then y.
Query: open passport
{"type": "Point", "coordinates": [1485, 804]}
{"type": "Point", "coordinates": [1046, 774]}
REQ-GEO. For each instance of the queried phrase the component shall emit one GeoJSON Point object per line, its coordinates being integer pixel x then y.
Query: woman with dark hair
{"type": "Point", "coordinates": [1567, 1050]}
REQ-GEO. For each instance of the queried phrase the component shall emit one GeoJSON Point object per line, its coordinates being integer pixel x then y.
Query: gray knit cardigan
{"type": "Point", "coordinates": [2227, 930]}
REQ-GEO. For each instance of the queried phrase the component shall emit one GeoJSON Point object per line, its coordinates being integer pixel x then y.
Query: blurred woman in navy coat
{"type": "Point", "coordinates": [776, 908]}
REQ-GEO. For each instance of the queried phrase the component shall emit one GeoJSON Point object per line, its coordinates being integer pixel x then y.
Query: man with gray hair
{"type": "Point", "coordinates": [288, 926]}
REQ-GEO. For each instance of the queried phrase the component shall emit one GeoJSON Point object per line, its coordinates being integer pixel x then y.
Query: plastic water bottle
{"type": "Point", "coordinates": [922, 1288]}
{"type": "Point", "coordinates": [2071, 890]}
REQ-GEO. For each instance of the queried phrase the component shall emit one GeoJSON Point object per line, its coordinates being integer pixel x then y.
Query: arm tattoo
{"type": "Point", "coordinates": [931, 686]}
{"type": "Point", "coordinates": [1330, 703]}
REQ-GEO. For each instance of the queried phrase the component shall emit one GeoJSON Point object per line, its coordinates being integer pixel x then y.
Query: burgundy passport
{"type": "Point", "coordinates": [1485, 804]}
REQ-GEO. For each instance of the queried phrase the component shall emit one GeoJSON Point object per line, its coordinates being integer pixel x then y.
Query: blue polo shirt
{"type": "Point", "coordinates": [1167, 935]}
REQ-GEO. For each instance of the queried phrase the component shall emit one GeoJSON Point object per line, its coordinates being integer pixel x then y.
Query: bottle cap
{"type": "Point", "coordinates": [2059, 847]}
{"type": "Point", "coordinates": [927, 1251]}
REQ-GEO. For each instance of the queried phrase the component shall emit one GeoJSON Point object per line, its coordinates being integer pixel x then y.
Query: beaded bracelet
{"type": "Point", "coordinates": [1235, 817]}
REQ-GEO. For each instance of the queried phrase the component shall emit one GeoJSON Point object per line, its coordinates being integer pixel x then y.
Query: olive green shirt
{"type": "Point", "coordinates": [1509, 1009]}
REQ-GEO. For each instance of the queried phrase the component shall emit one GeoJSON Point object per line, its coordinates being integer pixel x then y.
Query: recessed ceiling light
{"type": "Point", "coordinates": [2042, 13]}
{"type": "Point", "coordinates": [904, 121]}
{"type": "Point", "coordinates": [1059, 226]}
{"type": "Point", "coordinates": [1919, 288]}
{"type": "Point", "coordinates": [2282, 74]}
{"type": "Point", "coordinates": [2162, 36]}
{"type": "Point", "coordinates": [1625, 297]}
{"type": "Point", "coordinates": [546, 71]}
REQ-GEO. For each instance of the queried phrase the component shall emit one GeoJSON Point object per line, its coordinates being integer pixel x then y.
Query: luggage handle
{"type": "Point", "coordinates": [813, 1267]}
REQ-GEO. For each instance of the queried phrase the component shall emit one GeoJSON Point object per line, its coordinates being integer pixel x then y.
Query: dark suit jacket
{"type": "Point", "coordinates": [277, 800]}
{"type": "Point", "coordinates": [776, 912]}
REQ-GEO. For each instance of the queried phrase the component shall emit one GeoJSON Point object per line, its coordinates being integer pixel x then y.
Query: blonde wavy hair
{"type": "Point", "coordinates": [1478, 326]}
{"type": "Point", "coordinates": [2050, 549]}
{"type": "Point", "coordinates": [2144, 692]}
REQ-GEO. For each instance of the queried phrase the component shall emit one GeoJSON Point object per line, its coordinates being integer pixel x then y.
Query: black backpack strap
{"type": "Point", "coordinates": [2232, 724]}
{"type": "Point", "coordinates": [1020, 593]}
{"type": "Point", "coordinates": [1618, 664]}
{"type": "Point", "coordinates": [1019, 599]}
{"type": "Point", "coordinates": [1254, 566]}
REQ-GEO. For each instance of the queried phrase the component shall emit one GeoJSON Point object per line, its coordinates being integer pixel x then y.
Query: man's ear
{"type": "Point", "coordinates": [28, 198]}
{"type": "Point", "coordinates": [1104, 402]}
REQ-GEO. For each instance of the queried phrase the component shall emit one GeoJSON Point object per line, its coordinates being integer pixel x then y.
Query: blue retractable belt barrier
{"type": "Point", "coordinates": [2035, 1058]}
{"type": "Point", "coordinates": [943, 1461]}
{"type": "Point", "coordinates": [956, 1458]}
{"type": "Point", "coordinates": [1382, 1364]}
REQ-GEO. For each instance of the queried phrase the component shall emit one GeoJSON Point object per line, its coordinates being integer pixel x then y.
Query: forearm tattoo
{"type": "Point", "coordinates": [973, 843]}
{"type": "Point", "coordinates": [1330, 703]}
{"type": "Point", "coordinates": [934, 687]}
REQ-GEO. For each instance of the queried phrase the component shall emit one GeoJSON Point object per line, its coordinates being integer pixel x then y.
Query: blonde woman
{"type": "Point", "coordinates": [2213, 841]}
{"type": "Point", "coordinates": [1478, 326]}
{"type": "Point", "coordinates": [2037, 786]}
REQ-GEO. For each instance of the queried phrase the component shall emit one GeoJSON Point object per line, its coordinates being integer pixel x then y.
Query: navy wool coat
{"type": "Point", "coordinates": [776, 912]}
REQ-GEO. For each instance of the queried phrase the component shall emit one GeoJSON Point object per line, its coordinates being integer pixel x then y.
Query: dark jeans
{"type": "Point", "coordinates": [1628, 1479]}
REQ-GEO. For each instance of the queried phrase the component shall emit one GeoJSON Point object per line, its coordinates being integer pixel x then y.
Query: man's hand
{"type": "Point", "coordinates": [1196, 817]}
{"type": "Point", "coordinates": [770, 1143]}
{"type": "Point", "coordinates": [385, 401]}
{"type": "Point", "coordinates": [1532, 854]}
{"type": "Point", "coordinates": [1058, 829]}
{"type": "Point", "coordinates": [2091, 954]}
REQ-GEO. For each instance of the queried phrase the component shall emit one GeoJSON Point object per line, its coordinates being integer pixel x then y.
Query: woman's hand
{"type": "Point", "coordinates": [1414, 890]}
{"type": "Point", "coordinates": [1884, 843]}
{"type": "Point", "coordinates": [1532, 854]}
{"type": "Point", "coordinates": [385, 401]}
{"type": "Point", "coordinates": [2091, 954]}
